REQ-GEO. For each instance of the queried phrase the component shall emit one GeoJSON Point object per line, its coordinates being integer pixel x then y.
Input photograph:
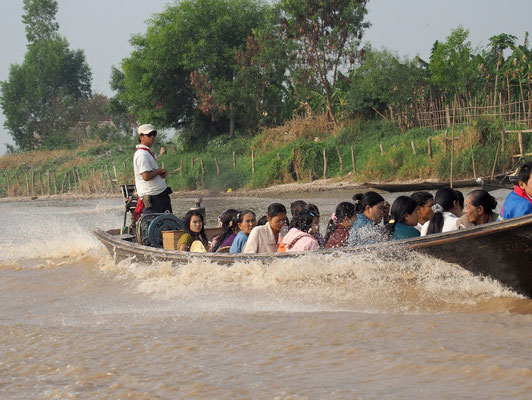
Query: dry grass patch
{"type": "Point", "coordinates": [33, 158]}
{"type": "Point", "coordinates": [315, 127]}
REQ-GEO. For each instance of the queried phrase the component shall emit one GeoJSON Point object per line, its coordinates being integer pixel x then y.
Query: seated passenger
{"type": "Point", "coordinates": [404, 218]}
{"type": "Point", "coordinates": [446, 209]}
{"type": "Point", "coordinates": [299, 237]}
{"type": "Point", "coordinates": [519, 201]}
{"type": "Point", "coordinates": [245, 221]}
{"type": "Point", "coordinates": [265, 238]}
{"type": "Point", "coordinates": [194, 231]}
{"type": "Point", "coordinates": [339, 225]}
{"type": "Point", "coordinates": [225, 221]}
{"type": "Point", "coordinates": [316, 229]}
{"type": "Point", "coordinates": [370, 210]}
{"type": "Point", "coordinates": [479, 206]}
{"type": "Point", "coordinates": [425, 201]}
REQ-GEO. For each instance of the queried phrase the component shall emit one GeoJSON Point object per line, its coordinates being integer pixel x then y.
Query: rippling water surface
{"type": "Point", "coordinates": [75, 325]}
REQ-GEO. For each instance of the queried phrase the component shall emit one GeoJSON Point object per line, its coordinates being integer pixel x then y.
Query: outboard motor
{"type": "Point", "coordinates": [149, 228]}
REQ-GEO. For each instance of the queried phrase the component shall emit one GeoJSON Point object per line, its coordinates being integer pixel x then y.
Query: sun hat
{"type": "Point", "coordinates": [145, 129]}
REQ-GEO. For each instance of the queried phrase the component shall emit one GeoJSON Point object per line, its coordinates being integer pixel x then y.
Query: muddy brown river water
{"type": "Point", "coordinates": [73, 325]}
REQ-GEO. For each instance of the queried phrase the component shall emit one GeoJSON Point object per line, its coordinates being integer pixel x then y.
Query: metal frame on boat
{"type": "Point", "coordinates": [500, 250]}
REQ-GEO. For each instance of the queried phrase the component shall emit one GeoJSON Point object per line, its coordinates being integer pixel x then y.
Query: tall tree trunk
{"type": "Point", "coordinates": [329, 107]}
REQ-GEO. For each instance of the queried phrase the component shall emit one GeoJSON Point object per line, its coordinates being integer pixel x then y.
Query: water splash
{"type": "Point", "coordinates": [336, 282]}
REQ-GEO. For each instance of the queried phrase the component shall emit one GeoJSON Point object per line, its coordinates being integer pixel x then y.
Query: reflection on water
{"type": "Point", "coordinates": [75, 325]}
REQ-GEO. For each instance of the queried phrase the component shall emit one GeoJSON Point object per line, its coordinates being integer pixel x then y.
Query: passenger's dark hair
{"type": "Point", "coordinates": [201, 236]}
{"type": "Point", "coordinates": [401, 206]}
{"type": "Point", "coordinates": [343, 210]}
{"type": "Point", "coordinates": [422, 198]}
{"type": "Point", "coordinates": [445, 198]}
{"type": "Point", "coordinates": [303, 220]}
{"type": "Point", "coordinates": [262, 220]}
{"type": "Point", "coordinates": [366, 199]}
{"type": "Point", "coordinates": [460, 198]}
{"type": "Point", "coordinates": [275, 209]}
{"type": "Point", "coordinates": [524, 172]}
{"type": "Point", "coordinates": [483, 198]}
{"type": "Point", "coordinates": [296, 207]}
{"type": "Point", "coordinates": [313, 208]}
{"type": "Point", "coordinates": [229, 227]}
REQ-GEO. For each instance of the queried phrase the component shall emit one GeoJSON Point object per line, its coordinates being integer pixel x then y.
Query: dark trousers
{"type": "Point", "coordinates": [160, 203]}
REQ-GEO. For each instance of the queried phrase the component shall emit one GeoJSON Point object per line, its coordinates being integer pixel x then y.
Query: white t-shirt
{"type": "Point", "coordinates": [449, 223]}
{"type": "Point", "coordinates": [145, 161]}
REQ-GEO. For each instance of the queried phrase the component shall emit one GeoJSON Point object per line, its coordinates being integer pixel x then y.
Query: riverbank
{"type": "Point", "coordinates": [344, 158]}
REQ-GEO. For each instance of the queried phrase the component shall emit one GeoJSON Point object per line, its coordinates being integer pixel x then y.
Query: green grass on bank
{"type": "Point", "coordinates": [277, 160]}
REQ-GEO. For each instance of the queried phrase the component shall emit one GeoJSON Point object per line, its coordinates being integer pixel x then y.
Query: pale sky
{"type": "Point", "coordinates": [102, 29]}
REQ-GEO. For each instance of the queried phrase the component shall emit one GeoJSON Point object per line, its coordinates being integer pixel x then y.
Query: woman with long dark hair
{"type": "Point", "coordinates": [404, 216]}
{"type": "Point", "coordinates": [479, 206]}
{"type": "Point", "coordinates": [371, 209]}
{"type": "Point", "coordinates": [194, 230]}
{"type": "Point", "coordinates": [339, 225]}
{"type": "Point", "coordinates": [446, 209]}
{"type": "Point", "coordinates": [226, 222]}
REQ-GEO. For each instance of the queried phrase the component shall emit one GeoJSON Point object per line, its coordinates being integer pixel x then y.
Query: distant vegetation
{"type": "Point", "coordinates": [291, 78]}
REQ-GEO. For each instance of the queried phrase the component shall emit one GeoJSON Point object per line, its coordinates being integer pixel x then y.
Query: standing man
{"type": "Point", "coordinates": [149, 178]}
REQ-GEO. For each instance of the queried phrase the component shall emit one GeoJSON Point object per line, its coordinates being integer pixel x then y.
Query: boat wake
{"type": "Point", "coordinates": [332, 283]}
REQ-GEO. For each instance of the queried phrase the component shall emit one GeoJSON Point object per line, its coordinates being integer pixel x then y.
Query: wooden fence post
{"type": "Point", "coordinates": [217, 166]}
{"type": "Point", "coordinates": [234, 160]}
{"type": "Point", "coordinates": [429, 147]}
{"type": "Point", "coordinates": [252, 162]}
{"type": "Point", "coordinates": [55, 183]}
{"type": "Point", "coordinates": [521, 148]}
{"type": "Point", "coordinates": [32, 182]}
{"type": "Point", "coordinates": [116, 175]}
{"type": "Point", "coordinates": [49, 182]}
{"type": "Point", "coordinates": [63, 183]}
{"type": "Point", "coordinates": [181, 167]}
{"type": "Point", "coordinates": [324, 164]}
{"type": "Point", "coordinates": [413, 147]}
{"type": "Point", "coordinates": [382, 149]}
{"type": "Point", "coordinates": [27, 183]}
{"type": "Point", "coordinates": [340, 159]}
{"type": "Point", "coordinates": [42, 183]}
{"type": "Point", "coordinates": [202, 170]}
{"type": "Point", "coordinates": [353, 160]}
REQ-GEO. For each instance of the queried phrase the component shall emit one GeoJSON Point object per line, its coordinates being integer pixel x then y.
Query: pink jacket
{"type": "Point", "coordinates": [296, 240]}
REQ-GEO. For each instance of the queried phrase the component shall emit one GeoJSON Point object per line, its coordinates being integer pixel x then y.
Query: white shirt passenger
{"type": "Point", "coordinates": [449, 223]}
{"type": "Point", "coordinates": [145, 160]}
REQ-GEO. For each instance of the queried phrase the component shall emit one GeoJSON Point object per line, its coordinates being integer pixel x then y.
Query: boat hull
{"type": "Point", "coordinates": [500, 250]}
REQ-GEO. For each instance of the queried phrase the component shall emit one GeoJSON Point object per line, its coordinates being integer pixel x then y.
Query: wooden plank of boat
{"type": "Point", "coordinates": [499, 182]}
{"type": "Point", "coordinates": [500, 250]}
{"type": "Point", "coordinates": [414, 187]}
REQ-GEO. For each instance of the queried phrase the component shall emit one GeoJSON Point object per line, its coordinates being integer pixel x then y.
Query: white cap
{"type": "Point", "coordinates": [145, 129]}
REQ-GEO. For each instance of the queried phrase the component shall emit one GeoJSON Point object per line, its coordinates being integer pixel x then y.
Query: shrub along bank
{"type": "Point", "coordinates": [291, 153]}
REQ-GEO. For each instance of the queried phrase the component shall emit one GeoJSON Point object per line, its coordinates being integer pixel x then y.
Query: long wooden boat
{"type": "Point", "coordinates": [486, 184]}
{"type": "Point", "coordinates": [500, 250]}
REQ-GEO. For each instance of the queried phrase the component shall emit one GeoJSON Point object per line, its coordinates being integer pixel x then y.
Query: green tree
{"type": "Point", "coordinates": [39, 18]}
{"type": "Point", "coordinates": [182, 70]}
{"type": "Point", "coordinates": [41, 98]}
{"type": "Point", "coordinates": [328, 34]}
{"type": "Point", "coordinates": [384, 80]}
{"type": "Point", "coordinates": [453, 66]}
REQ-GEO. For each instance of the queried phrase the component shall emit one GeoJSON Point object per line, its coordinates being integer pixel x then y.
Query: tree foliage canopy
{"type": "Point", "coordinates": [183, 69]}
{"type": "Point", "coordinates": [41, 98]}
